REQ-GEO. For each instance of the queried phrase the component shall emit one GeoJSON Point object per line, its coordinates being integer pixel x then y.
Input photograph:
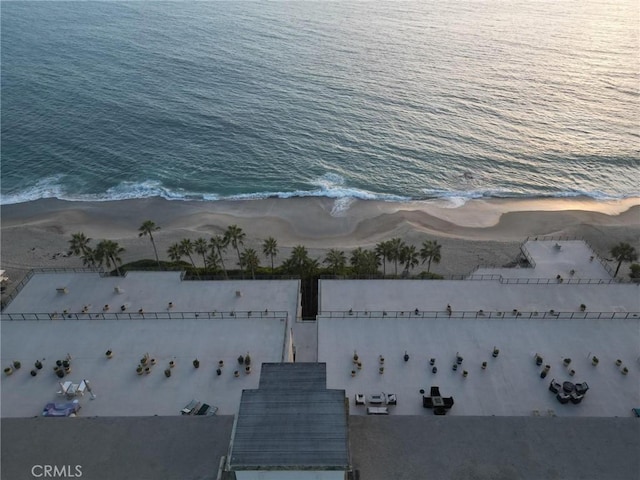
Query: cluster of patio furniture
{"type": "Point", "coordinates": [568, 391]}
{"type": "Point", "coordinates": [378, 402]}
{"type": "Point", "coordinates": [197, 408]}
{"type": "Point", "coordinates": [437, 402]}
{"type": "Point", "coordinates": [61, 409]}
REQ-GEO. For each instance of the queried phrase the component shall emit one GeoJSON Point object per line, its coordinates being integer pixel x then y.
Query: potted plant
{"type": "Point", "coordinates": [143, 360]}
{"type": "Point", "coordinates": [566, 362]}
{"type": "Point", "coordinates": [381, 370]}
{"type": "Point", "coordinates": [196, 363]}
{"type": "Point", "coordinates": [108, 353]}
{"type": "Point", "coordinates": [465, 373]}
{"type": "Point", "coordinates": [484, 365]}
{"type": "Point", "coordinates": [8, 371]}
{"type": "Point", "coordinates": [60, 373]}
{"type": "Point", "coordinates": [236, 373]}
{"type": "Point", "coordinates": [59, 363]}
{"type": "Point", "coordinates": [496, 351]}
{"type": "Point", "coordinates": [355, 357]}
{"type": "Point", "coordinates": [218, 371]}
{"type": "Point", "coordinates": [240, 360]}
{"type": "Point", "coordinates": [381, 358]}
{"type": "Point", "coordinates": [594, 360]}
{"type": "Point", "coordinates": [538, 359]}
{"type": "Point", "coordinates": [359, 365]}
{"type": "Point", "coordinates": [167, 372]}
{"type": "Point", "coordinates": [583, 307]}
{"type": "Point", "coordinates": [153, 361]}
{"type": "Point", "coordinates": [34, 373]}
{"type": "Point", "coordinates": [572, 372]}
{"type": "Point", "coordinates": [247, 359]}
{"type": "Point", "coordinates": [139, 370]}
{"type": "Point", "coordinates": [618, 362]}
{"type": "Point", "coordinates": [17, 364]}
{"type": "Point", "coordinates": [38, 364]}
{"type": "Point", "coordinates": [434, 370]}
{"type": "Point", "coordinates": [432, 361]}
{"type": "Point", "coordinates": [625, 370]}
{"type": "Point", "coordinates": [458, 359]}
{"type": "Point", "coordinates": [353, 373]}
{"type": "Point", "coordinates": [406, 356]}
{"type": "Point", "coordinates": [220, 364]}
{"type": "Point", "coordinates": [172, 363]}
{"type": "Point", "coordinates": [247, 369]}
{"type": "Point", "coordinates": [147, 370]}
{"type": "Point", "coordinates": [454, 367]}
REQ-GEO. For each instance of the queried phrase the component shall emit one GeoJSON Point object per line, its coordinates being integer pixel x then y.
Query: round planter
{"type": "Point", "coordinates": [34, 373]}
{"type": "Point", "coordinates": [108, 354]}
{"type": "Point", "coordinates": [147, 370]}
{"type": "Point", "coordinates": [139, 370]}
{"type": "Point", "coordinates": [8, 371]}
{"type": "Point", "coordinates": [38, 364]}
{"type": "Point", "coordinates": [484, 365]}
{"type": "Point", "coordinates": [353, 373]}
{"type": "Point", "coordinates": [196, 363]}
{"type": "Point", "coordinates": [167, 373]}
{"type": "Point", "coordinates": [495, 352]}
{"type": "Point", "coordinates": [17, 364]}
{"type": "Point", "coordinates": [172, 364]}
{"type": "Point", "coordinates": [236, 373]}
{"type": "Point", "coordinates": [218, 371]}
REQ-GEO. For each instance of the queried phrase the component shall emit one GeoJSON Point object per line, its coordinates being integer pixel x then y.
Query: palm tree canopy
{"type": "Point", "coordinates": [79, 243]}
{"type": "Point", "coordinates": [235, 236]}
{"type": "Point", "coordinates": [430, 252]}
{"type": "Point", "coordinates": [270, 247]}
{"type": "Point", "coordinates": [108, 252]}
{"type": "Point", "coordinates": [175, 252]}
{"type": "Point", "coordinates": [336, 259]}
{"type": "Point", "coordinates": [147, 228]}
{"type": "Point", "coordinates": [249, 259]}
{"type": "Point", "coordinates": [623, 252]}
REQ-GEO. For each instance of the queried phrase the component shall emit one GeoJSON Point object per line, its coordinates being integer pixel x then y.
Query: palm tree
{"type": "Point", "coordinates": [108, 252]}
{"type": "Point", "coordinates": [250, 261]}
{"type": "Point", "coordinates": [623, 252]}
{"type": "Point", "coordinates": [235, 237]}
{"type": "Point", "coordinates": [186, 246]}
{"type": "Point", "coordinates": [212, 260]}
{"type": "Point", "coordinates": [395, 248]}
{"type": "Point", "coordinates": [201, 247]}
{"type": "Point", "coordinates": [384, 250]}
{"type": "Point", "coordinates": [147, 228]}
{"type": "Point", "coordinates": [219, 245]}
{"type": "Point", "coordinates": [364, 262]}
{"type": "Point", "coordinates": [89, 259]}
{"type": "Point", "coordinates": [79, 244]}
{"type": "Point", "coordinates": [175, 252]}
{"type": "Point", "coordinates": [336, 260]}
{"type": "Point", "coordinates": [430, 252]}
{"type": "Point", "coordinates": [409, 258]}
{"type": "Point", "coordinates": [300, 263]}
{"type": "Point", "coordinates": [270, 249]}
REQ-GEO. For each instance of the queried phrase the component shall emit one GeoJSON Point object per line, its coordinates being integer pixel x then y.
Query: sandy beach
{"type": "Point", "coordinates": [484, 232]}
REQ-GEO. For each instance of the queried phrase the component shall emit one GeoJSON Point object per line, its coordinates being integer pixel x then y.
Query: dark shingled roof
{"type": "Point", "coordinates": [291, 422]}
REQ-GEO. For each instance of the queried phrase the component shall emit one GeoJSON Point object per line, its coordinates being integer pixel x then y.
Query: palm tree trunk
{"type": "Point", "coordinates": [429, 265]}
{"type": "Point", "coordinates": [115, 264]}
{"type": "Point", "coordinates": [617, 268]}
{"type": "Point", "coordinates": [384, 266]}
{"type": "Point", "coordinates": [239, 260]}
{"type": "Point", "coordinates": [154, 248]}
{"type": "Point", "coordinates": [224, 269]}
{"type": "Point", "coordinates": [272, 264]}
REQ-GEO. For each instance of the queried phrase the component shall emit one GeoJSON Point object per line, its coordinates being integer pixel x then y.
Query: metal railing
{"type": "Point", "coordinates": [527, 255]}
{"type": "Point", "coordinates": [416, 314]}
{"type": "Point", "coordinates": [143, 315]}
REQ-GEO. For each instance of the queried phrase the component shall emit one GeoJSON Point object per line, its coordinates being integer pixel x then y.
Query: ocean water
{"type": "Point", "coordinates": [380, 100]}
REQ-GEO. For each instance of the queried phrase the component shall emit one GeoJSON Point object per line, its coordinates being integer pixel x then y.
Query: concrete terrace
{"type": "Point", "coordinates": [511, 383]}
{"type": "Point", "coordinates": [151, 291]}
{"type": "Point", "coordinates": [210, 321]}
{"type": "Point", "coordinates": [573, 260]}
{"type": "Point", "coordinates": [119, 390]}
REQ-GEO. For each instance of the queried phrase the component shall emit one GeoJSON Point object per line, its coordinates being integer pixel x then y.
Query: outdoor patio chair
{"type": "Point", "coordinates": [448, 402]}
{"type": "Point", "coordinates": [576, 398]}
{"type": "Point", "coordinates": [435, 392]}
{"type": "Point", "coordinates": [427, 402]}
{"type": "Point", "coordinates": [581, 388]}
{"type": "Point", "coordinates": [562, 397]}
{"type": "Point", "coordinates": [439, 411]}
{"type": "Point", "coordinates": [554, 386]}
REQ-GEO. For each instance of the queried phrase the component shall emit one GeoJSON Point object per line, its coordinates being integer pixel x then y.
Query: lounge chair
{"type": "Point", "coordinates": [448, 402]}
{"type": "Point", "coordinates": [427, 402]}
{"type": "Point", "coordinates": [377, 411]}
{"type": "Point", "coordinates": [435, 392]}
{"type": "Point", "coordinates": [392, 399]}
{"type": "Point", "coordinates": [581, 388]}
{"type": "Point", "coordinates": [554, 386]}
{"type": "Point", "coordinates": [576, 398]}
{"type": "Point", "coordinates": [360, 399]}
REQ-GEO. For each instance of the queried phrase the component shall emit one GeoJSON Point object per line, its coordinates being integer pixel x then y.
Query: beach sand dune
{"type": "Point", "coordinates": [480, 232]}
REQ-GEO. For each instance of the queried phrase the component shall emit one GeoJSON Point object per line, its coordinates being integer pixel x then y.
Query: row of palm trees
{"type": "Point", "coordinates": [361, 261]}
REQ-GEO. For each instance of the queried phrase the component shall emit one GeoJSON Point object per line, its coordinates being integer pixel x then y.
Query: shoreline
{"type": "Point", "coordinates": [481, 232]}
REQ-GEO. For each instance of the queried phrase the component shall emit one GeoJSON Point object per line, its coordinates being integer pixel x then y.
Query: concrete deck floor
{"type": "Point", "coordinates": [511, 383]}
{"type": "Point", "coordinates": [119, 390]}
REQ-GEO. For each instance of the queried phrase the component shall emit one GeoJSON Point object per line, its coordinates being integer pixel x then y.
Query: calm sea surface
{"type": "Point", "coordinates": [389, 100]}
